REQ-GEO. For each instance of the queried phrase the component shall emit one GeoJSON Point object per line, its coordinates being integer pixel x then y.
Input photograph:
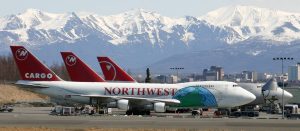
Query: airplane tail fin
{"type": "Point", "coordinates": [78, 70]}
{"type": "Point", "coordinates": [30, 68]}
{"type": "Point", "coordinates": [112, 71]}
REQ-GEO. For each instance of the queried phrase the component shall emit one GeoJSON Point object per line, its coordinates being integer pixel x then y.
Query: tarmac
{"type": "Point", "coordinates": [39, 117]}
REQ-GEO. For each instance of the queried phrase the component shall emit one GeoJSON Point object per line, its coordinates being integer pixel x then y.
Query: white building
{"type": "Point", "coordinates": [263, 76]}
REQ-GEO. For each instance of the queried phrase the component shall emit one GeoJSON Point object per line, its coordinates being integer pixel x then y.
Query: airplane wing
{"type": "Point", "coordinates": [134, 99]}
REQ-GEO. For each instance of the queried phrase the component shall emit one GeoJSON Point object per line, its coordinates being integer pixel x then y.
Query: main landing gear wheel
{"type": "Point", "coordinates": [129, 112]}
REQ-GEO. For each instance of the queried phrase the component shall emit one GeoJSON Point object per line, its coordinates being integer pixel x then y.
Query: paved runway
{"type": "Point", "coordinates": [38, 117]}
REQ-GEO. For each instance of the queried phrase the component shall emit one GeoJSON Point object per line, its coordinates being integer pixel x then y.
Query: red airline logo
{"type": "Point", "coordinates": [70, 60]}
{"type": "Point", "coordinates": [21, 54]}
{"type": "Point", "coordinates": [110, 68]}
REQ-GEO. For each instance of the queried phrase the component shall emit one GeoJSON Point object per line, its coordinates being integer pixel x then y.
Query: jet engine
{"type": "Point", "coordinates": [160, 107]}
{"type": "Point", "coordinates": [123, 104]}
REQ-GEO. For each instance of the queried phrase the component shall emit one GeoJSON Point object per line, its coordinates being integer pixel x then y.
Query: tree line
{"type": "Point", "coordinates": [10, 73]}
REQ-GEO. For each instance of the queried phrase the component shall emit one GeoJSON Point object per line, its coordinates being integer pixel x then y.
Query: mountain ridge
{"type": "Point", "coordinates": [246, 21]}
{"type": "Point", "coordinates": [138, 38]}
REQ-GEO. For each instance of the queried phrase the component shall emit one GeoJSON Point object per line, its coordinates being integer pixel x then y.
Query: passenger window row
{"type": "Point", "coordinates": [205, 85]}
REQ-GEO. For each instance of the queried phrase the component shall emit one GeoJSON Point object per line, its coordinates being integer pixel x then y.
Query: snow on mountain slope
{"type": "Point", "coordinates": [135, 26]}
{"type": "Point", "coordinates": [231, 25]}
{"type": "Point", "coordinates": [35, 26]}
{"type": "Point", "coordinates": [251, 21]}
{"type": "Point", "coordinates": [133, 22]}
{"type": "Point", "coordinates": [139, 37]}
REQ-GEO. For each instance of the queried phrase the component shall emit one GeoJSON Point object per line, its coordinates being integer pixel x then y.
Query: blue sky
{"type": "Point", "coordinates": [172, 8]}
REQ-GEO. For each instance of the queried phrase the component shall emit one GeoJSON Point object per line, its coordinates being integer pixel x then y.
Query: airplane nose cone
{"type": "Point", "coordinates": [249, 97]}
{"type": "Point", "coordinates": [236, 97]}
{"type": "Point", "coordinates": [244, 97]}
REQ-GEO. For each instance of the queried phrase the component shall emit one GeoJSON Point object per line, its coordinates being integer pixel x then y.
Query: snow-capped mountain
{"type": "Point", "coordinates": [139, 37]}
{"type": "Point", "coordinates": [37, 27]}
{"type": "Point", "coordinates": [252, 22]}
{"type": "Point", "coordinates": [120, 27]}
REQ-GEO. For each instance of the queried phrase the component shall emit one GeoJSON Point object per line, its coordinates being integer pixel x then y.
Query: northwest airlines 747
{"type": "Point", "coordinates": [128, 96]}
{"type": "Point", "coordinates": [114, 73]}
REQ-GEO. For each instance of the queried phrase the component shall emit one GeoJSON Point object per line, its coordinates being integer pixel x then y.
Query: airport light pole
{"type": "Point", "coordinates": [282, 59]}
{"type": "Point", "coordinates": [177, 69]}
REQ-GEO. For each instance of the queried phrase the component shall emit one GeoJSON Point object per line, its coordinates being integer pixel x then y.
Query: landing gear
{"type": "Point", "coordinates": [273, 106]}
{"type": "Point", "coordinates": [138, 112]}
{"type": "Point", "coordinates": [129, 112]}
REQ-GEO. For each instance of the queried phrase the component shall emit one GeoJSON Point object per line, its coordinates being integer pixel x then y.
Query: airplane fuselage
{"type": "Point", "coordinates": [191, 94]}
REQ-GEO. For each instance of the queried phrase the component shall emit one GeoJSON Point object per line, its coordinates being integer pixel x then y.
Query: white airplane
{"type": "Point", "coordinates": [262, 91]}
{"type": "Point", "coordinates": [128, 96]}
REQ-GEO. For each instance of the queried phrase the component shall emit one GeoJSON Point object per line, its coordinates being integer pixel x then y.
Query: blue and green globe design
{"type": "Point", "coordinates": [195, 96]}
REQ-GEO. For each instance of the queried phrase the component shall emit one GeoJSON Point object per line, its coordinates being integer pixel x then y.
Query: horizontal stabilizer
{"type": "Point", "coordinates": [29, 84]}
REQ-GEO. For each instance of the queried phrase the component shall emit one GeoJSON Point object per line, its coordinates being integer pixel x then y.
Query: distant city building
{"type": "Point", "coordinates": [186, 79]}
{"type": "Point", "coordinates": [161, 79]}
{"type": "Point", "coordinates": [281, 77]}
{"type": "Point", "coordinates": [249, 76]}
{"type": "Point", "coordinates": [166, 79]}
{"type": "Point", "coordinates": [245, 76]}
{"type": "Point", "coordinates": [215, 73]}
{"type": "Point", "coordinates": [230, 77]}
{"type": "Point", "coordinates": [263, 76]}
{"type": "Point", "coordinates": [195, 77]}
{"type": "Point", "coordinates": [294, 72]}
{"type": "Point", "coordinates": [173, 79]}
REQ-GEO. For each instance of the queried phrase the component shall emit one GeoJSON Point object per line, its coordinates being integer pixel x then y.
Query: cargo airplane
{"type": "Point", "coordinates": [132, 97]}
{"type": "Point", "coordinates": [112, 72]}
{"type": "Point", "coordinates": [262, 91]}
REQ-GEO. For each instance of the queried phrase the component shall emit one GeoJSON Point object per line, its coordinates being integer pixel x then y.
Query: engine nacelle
{"type": "Point", "coordinates": [123, 104]}
{"type": "Point", "coordinates": [160, 107]}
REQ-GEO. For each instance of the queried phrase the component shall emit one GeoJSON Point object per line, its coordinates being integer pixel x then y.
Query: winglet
{"type": "Point", "coordinates": [30, 68]}
{"type": "Point", "coordinates": [78, 70]}
{"type": "Point", "coordinates": [112, 71]}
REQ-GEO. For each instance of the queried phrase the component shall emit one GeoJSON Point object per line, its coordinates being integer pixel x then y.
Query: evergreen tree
{"type": "Point", "coordinates": [148, 78]}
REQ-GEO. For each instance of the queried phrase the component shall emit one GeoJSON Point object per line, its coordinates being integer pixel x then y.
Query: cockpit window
{"type": "Point", "coordinates": [234, 85]}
